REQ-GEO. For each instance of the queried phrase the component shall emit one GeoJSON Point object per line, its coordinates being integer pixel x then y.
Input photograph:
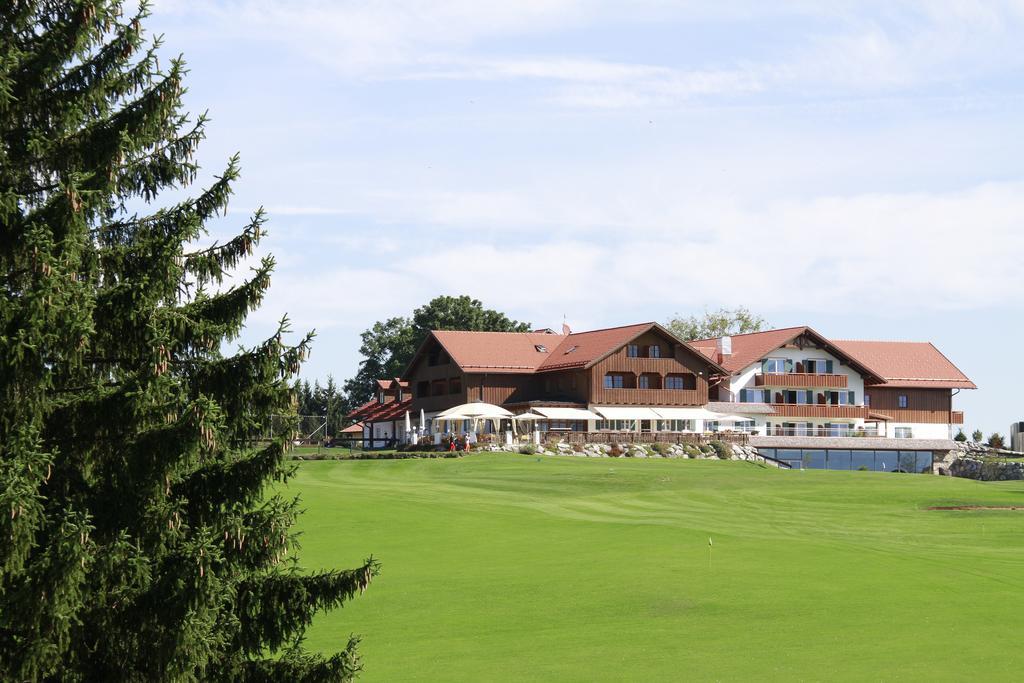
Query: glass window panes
{"type": "Point", "coordinates": [862, 460]}
{"type": "Point", "coordinates": [887, 461]}
{"type": "Point", "coordinates": [908, 461]}
{"type": "Point", "coordinates": [838, 460]}
{"type": "Point", "coordinates": [813, 458]}
{"type": "Point", "coordinates": [924, 462]}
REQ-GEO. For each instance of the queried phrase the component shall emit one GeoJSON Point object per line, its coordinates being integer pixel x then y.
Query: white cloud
{"type": "Point", "coordinates": [879, 253]}
{"type": "Point", "coordinates": [844, 48]}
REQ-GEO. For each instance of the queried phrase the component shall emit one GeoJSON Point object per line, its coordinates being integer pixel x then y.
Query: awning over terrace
{"type": "Point", "coordinates": [686, 414]}
{"type": "Point", "coordinates": [567, 413]}
{"type": "Point", "coordinates": [628, 413]}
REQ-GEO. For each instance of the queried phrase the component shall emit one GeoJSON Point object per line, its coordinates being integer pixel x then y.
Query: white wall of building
{"type": "Point", "coordinates": [745, 379]}
{"type": "Point", "coordinates": [922, 430]}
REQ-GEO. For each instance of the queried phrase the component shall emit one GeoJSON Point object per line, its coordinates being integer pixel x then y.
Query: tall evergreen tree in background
{"type": "Point", "coordinates": [139, 539]}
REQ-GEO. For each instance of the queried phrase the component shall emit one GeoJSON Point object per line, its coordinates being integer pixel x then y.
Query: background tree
{"type": "Point", "coordinates": [996, 440]}
{"type": "Point", "coordinates": [389, 345]}
{"type": "Point", "coordinates": [960, 436]}
{"type": "Point", "coordinates": [140, 540]}
{"type": "Point", "coordinates": [978, 436]}
{"type": "Point", "coordinates": [724, 321]}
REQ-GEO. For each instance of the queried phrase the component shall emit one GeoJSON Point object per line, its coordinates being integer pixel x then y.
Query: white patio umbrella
{"type": "Point", "coordinates": [423, 422]}
{"type": "Point", "coordinates": [477, 409]}
{"type": "Point", "coordinates": [408, 423]}
{"type": "Point", "coordinates": [525, 417]}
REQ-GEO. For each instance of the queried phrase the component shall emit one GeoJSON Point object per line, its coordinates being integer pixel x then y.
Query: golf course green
{"type": "Point", "coordinates": [527, 568]}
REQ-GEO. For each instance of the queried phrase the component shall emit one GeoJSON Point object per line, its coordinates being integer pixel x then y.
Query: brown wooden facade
{"type": "Point", "coordinates": [436, 383]}
{"type": "Point", "coordinates": [676, 361]}
{"type": "Point", "coordinates": [934, 406]}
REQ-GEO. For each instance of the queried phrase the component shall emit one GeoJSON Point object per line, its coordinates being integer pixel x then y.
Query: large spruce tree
{"type": "Point", "coordinates": [138, 537]}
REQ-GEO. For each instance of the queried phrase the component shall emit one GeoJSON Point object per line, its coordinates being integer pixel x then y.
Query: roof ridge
{"type": "Point", "coordinates": [607, 329]}
{"type": "Point", "coordinates": [886, 341]}
{"type": "Point", "coordinates": [747, 334]}
{"type": "Point", "coordinates": [545, 334]}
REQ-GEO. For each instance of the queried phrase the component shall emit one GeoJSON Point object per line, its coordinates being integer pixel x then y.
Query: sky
{"type": "Point", "coordinates": [852, 166]}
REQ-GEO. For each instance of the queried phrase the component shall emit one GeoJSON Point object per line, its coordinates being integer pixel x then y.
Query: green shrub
{"type": "Point", "coordinates": [721, 449]}
{"type": "Point", "coordinates": [528, 449]}
{"type": "Point", "coordinates": [862, 468]}
{"type": "Point", "coordinates": [960, 436]}
{"type": "Point", "coordinates": [691, 450]}
{"type": "Point", "coordinates": [660, 448]}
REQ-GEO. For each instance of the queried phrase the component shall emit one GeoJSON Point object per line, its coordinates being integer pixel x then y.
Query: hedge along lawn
{"type": "Point", "coordinates": [512, 567]}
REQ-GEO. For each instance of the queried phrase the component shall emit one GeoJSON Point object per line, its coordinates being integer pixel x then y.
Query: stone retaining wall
{"type": "Point", "coordinates": [732, 451]}
{"type": "Point", "coordinates": [986, 469]}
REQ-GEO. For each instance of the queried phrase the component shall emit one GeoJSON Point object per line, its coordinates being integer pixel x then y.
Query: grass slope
{"type": "Point", "coordinates": [508, 567]}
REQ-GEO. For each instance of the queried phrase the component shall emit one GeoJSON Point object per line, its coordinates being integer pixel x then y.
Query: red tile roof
{"type": "Point", "coordinates": [748, 348]}
{"type": "Point", "coordinates": [902, 364]}
{"type": "Point", "coordinates": [517, 352]}
{"type": "Point", "coordinates": [508, 352]}
{"type": "Point", "coordinates": [392, 383]}
{"type": "Point", "coordinates": [908, 364]}
{"type": "Point", "coordinates": [372, 411]}
{"type": "Point", "coordinates": [580, 349]}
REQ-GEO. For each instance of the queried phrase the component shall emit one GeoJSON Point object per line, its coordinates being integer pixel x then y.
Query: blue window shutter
{"type": "Point", "coordinates": [789, 365]}
{"type": "Point", "coordinates": [764, 367]}
{"type": "Point", "coordinates": [853, 398]}
{"type": "Point", "coordinates": [828, 367]}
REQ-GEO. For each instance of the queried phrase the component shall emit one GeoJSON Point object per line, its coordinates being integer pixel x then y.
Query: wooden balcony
{"type": "Point", "coordinates": [818, 411]}
{"type": "Point", "coordinates": [957, 417]}
{"type": "Point", "coordinates": [649, 397]}
{"type": "Point", "coordinates": [800, 380]}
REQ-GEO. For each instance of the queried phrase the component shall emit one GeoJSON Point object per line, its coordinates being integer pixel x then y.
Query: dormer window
{"type": "Point", "coordinates": [540, 348]}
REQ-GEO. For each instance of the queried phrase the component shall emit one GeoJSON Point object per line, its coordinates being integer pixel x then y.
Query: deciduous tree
{"type": "Point", "coordinates": [389, 345]}
{"type": "Point", "coordinates": [142, 539]}
{"type": "Point", "coordinates": [724, 321]}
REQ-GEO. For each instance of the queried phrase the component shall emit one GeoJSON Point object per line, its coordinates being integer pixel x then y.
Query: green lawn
{"type": "Point", "coordinates": [511, 567]}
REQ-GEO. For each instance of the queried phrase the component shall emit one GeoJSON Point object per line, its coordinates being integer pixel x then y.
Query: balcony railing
{"type": "Point", "coordinates": [808, 380]}
{"type": "Point", "coordinates": [778, 430]}
{"type": "Point", "coordinates": [818, 410]}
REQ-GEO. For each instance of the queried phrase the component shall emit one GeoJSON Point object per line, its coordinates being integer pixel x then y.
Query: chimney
{"type": "Point", "coordinates": [724, 347]}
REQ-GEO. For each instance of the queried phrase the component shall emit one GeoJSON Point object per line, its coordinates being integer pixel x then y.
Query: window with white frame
{"type": "Point", "coordinates": [675, 425]}
{"type": "Point", "coordinates": [903, 432]}
{"type": "Point", "coordinates": [773, 366]}
{"type": "Point", "coordinates": [818, 366]}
